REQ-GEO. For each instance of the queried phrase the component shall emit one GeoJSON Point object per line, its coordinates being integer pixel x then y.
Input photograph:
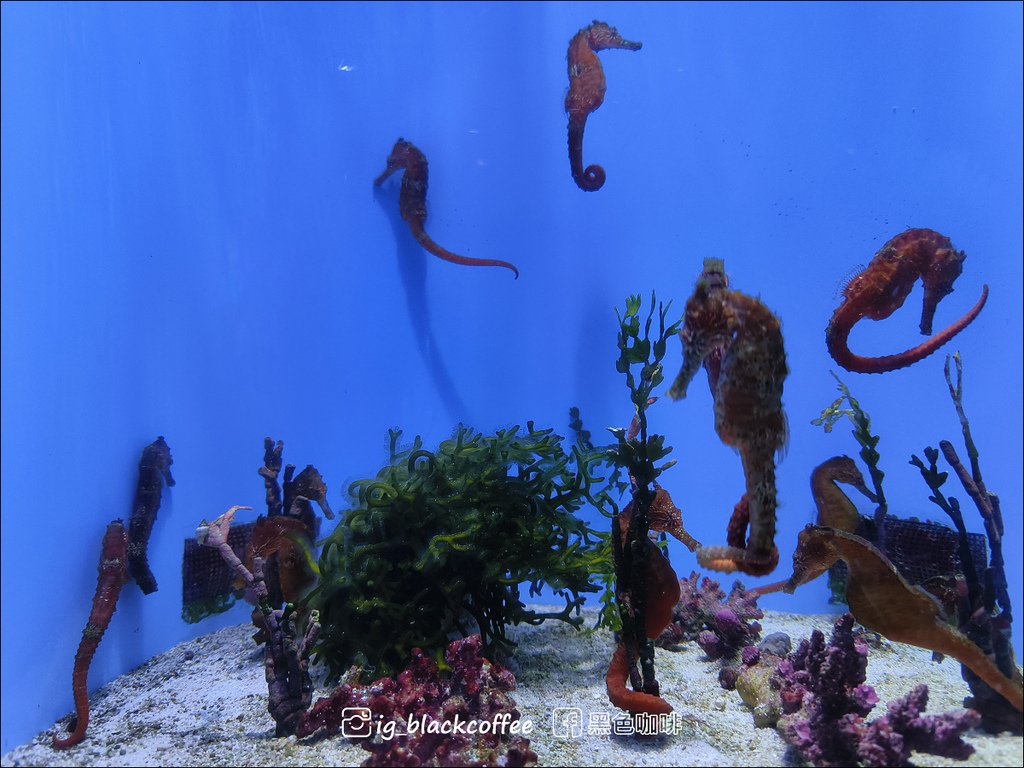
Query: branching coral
{"type": "Point", "coordinates": [415, 719]}
{"type": "Point", "coordinates": [441, 540]}
{"type": "Point", "coordinates": [825, 702]}
{"type": "Point", "coordinates": [285, 660]}
{"type": "Point", "coordinates": [721, 626]}
{"type": "Point", "coordinates": [986, 615]}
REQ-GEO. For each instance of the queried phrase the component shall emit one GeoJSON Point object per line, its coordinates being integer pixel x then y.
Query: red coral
{"type": "Point", "coordinates": [403, 727]}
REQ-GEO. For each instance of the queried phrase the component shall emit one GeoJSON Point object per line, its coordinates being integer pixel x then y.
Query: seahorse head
{"type": "Point", "coordinates": [943, 270]}
{"type": "Point", "coordinates": [404, 155]}
{"type": "Point", "coordinates": [814, 554]}
{"type": "Point", "coordinates": [601, 37]}
{"type": "Point", "coordinates": [842, 469]}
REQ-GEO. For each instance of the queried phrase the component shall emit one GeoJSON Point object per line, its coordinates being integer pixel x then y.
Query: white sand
{"type": "Point", "coordinates": [204, 703]}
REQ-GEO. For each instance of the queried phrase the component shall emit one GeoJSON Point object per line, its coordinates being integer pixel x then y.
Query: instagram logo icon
{"type": "Point", "coordinates": [356, 723]}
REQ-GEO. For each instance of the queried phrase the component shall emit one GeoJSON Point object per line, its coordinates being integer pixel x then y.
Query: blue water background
{"type": "Point", "coordinates": [192, 247]}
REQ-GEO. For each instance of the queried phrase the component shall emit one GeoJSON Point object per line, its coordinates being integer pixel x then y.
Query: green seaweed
{"type": "Point", "coordinates": [636, 452]}
{"type": "Point", "coordinates": [861, 433]}
{"type": "Point", "coordinates": [439, 542]}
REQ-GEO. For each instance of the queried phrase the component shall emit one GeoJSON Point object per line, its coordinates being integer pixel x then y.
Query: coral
{"type": "Point", "coordinates": [208, 585]}
{"type": "Point", "coordinates": [113, 570]}
{"type": "Point", "coordinates": [410, 712]}
{"type": "Point", "coordinates": [441, 540]}
{"type": "Point", "coordinates": [284, 539]}
{"type": "Point", "coordinates": [285, 661]}
{"type": "Point", "coordinates": [412, 203]}
{"type": "Point", "coordinates": [721, 626]}
{"type": "Point", "coordinates": [154, 470]}
{"type": "Point", "coordinates": [586, 93]}
{"type": "Point", "coordinates": [886, 283]}
{"type": "Point", "coordinates": [738, 341]}
{"type": "Point", "coordinates": [985, 614]}
{"type": "Point", "coordinates": [825, 702]}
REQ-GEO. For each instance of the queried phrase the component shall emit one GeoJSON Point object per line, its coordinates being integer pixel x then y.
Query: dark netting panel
{"type": "Point", "coordinates": [206, 580]}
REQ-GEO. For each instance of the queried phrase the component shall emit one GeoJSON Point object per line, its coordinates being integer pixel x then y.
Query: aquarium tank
{"type": "Point", "coordinates": [694, 294]}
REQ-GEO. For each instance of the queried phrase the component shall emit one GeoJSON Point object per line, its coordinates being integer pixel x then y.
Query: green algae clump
{"type": "Point", "coordinates": [439, 542]}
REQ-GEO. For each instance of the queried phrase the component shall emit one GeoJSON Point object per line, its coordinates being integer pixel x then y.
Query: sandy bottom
{"type": "Point", "coordinates": [204, 703]}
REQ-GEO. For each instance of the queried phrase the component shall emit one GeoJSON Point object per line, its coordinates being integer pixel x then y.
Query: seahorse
{"type": "Point", "coordinates": [155, 464]}
{"type": "Point", "coordinates": [834, 507]}
{"type": "Point", "coordinates": [412, 203]}
{"type": "Point", "coordinates": [661, 595]}
{"type": "Point", "coordinates": [112, 575]}
{"type": "Point", "coordinates": [883, 601]}
{"type": "Point", "coordinates": [586, 93]}
{"type": "Point", "coordinates": [884, 285]}
{"type": "Point", "coordinates": [739, 343]}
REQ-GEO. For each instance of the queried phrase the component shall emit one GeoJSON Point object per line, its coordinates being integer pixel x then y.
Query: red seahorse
{"type": "Point", "coordinates": [586, 93]}
{"type": "Point", "coordinates": [739, 343]}
{"type": "Point", "coordinates": [884, 285]}
{"type": "Point", "coordinates": [412, 203]}
{"type": "Point", "coordinates": [113, 573]}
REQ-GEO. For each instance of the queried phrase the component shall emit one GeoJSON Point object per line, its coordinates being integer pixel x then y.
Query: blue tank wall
{"type": "Point", "coordinates": [192, 246]}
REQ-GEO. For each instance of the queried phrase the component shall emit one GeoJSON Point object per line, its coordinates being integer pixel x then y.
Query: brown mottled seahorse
{"type": "Point", "coordinates": [884, 285]}
{"type": "Point", "coordinates": [112, 575]}
{"type": "Point", "coordinates": [586, 93]}
{"type": "Point", "coordinates": [739, 343]}
{"type": "Point", "coordinates": [412, 203]}
{"type": "Point", "coordinates": [883, 601]}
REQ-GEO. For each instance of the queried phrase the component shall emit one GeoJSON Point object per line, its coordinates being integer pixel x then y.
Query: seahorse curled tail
{"type": "Point", "coordinates": [882, 287]}
{"type": "Point", "coordinates": [586, 93]}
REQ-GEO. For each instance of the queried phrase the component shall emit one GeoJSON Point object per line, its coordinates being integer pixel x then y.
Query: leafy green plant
{"type": "Point", "coordinates": [862, 434]}
{"type": "Point", "coordinates": [439, 542]}
{"type": "Point", "coordinates": [636, 451]}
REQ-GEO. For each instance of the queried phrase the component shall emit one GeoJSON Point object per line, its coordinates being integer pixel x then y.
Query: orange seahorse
{"type": "Point", "coordinates": [113, 572]}
{"type": "Point", "coordinates": [412, 203]}
{"type": "Point", "coordinates": [884, 285]}
{"type": "Point", "coordinates": [883, 601]}
{"type": "Point", "coordinates": [739, 343]}
{"type": "Point", "coordinates": [661, 586]}
{"type": "Point", "coordinates": [586, 93]}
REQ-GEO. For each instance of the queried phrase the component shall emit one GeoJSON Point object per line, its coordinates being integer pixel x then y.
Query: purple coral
{"type": "Point", "coordinates": [405, 715]}
{"type": "Point", "coordinates": [825, 702]}
{"type": "Point", "coordinates": [720, 628]}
